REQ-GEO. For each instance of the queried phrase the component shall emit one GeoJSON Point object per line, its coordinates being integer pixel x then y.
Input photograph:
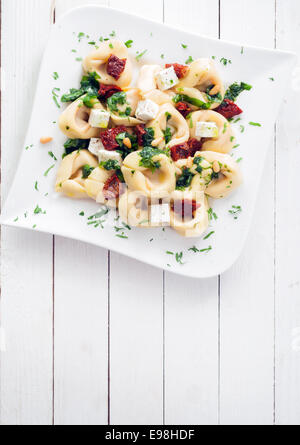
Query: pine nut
{"type": "Point", "coordinates": [127, 142]}
{"type": "Point", "coordinates": [216, 167]}
{"type": "Point", "coordinates": [45, 140]}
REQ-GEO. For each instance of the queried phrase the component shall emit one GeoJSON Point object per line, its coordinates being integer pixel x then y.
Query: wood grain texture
{"type": "Point", "coordinates": [80, 322]}
{"type": "Point", "coordinates": [247, 289]}
{"type": "Point", "coordinates": [191, 305]}
{"type": "Point", "coordinates": [26, 267]}
{"type": "Point", "coordinates": [136, 321]}
{"type": "Point", "coordinates": [287, 285]}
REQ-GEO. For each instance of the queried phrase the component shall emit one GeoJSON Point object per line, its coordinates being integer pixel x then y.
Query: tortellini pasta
{"type": "Point", "coordinates": [97, 60]}
{"type": "Point", "coordinates": [229, 176]}
{"type": "Point", "coordinates": [69, 180]}
{"type": "Point", "coordinates": [169, 121]}
{"type": "Point", "coordinates": [74, 121]}
{"type": "Point", "coordinates": [192, 223]}
{"type": "Point", "coordinates": [160, 170]}
{"type": "Point", "coordinates": [146, 80]}
{"type": "Point", "coordinates": [141, 178]}
{"type": "Point", "coordinates": [203, 76]}
{"type": "Point", "coordinates": [224, 142]}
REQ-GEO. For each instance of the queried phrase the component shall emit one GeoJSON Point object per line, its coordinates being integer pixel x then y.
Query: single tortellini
{"type": "Point", "coordinates": [169, 123]}
{"type": "Point", "coordinates": [227, 176]}
{"type": "Point", "coordinates": [134, 208]}
{"type": "Point", "coordinates": [97, 62]}
{"type": "Point", "coordinates": [188, 214]}
{"type": "Point", "coordinates": [126, 111]}
{"type": "Point", "coordinates": [203, 76]}
{"type": "Point", "coordinates": [146, 79]}
{"type": "Point", "coordinates": [74, 121]}
{"type": "Point", "coordinates": [159, 180]}
{"type": "Point", "coordinates": [69, 178]}
{"type": "Point", "coordinates": [224, 142]}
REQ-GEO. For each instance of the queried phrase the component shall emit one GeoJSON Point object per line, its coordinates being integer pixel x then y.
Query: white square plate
{"type": "Point", "coordinates": [261, 104]}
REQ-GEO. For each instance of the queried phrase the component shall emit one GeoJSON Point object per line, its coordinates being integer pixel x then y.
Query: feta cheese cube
{"type": "Point", "coordinates": [166, 78]}
{"type": "Point", "coordinates": [160, 214]}
{"type": "Point", "coordinates": [146, 110]}
{"type": "Point", "coordinates": [99, 118]}
{"type": "Point", "coordinates": [106, 155]}
{"type": "Point", "coordinates": [95, 146]}
{"type": "Point", "coordinates": [206, 130]}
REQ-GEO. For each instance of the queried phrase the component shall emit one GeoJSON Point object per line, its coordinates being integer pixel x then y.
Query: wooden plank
{"type": "Point", "coordinates": [191, 305]}
{"type": "Point", "coordinates": [287, 285]}
{"type": "Point", "coordinates": [136, 311]}
{"type": "Point", "coordinates": [81, 322]}
{"type": "Point", "coordinates": [26, 270]}
{"type": "Point", "coordinates": [247, 290]}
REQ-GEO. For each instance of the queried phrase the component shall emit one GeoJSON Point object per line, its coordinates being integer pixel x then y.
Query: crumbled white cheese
{"type": "Point", "coordinates": [166, 78]}
{"type": "Point", "coordinates": [105, 155]}
{"type": "Point", "coordinates": [99, 118]}
{"type": "Point", "coordinates": [146, 110]}
{"type": "Point", "coordinates": [95, 146]}
{"type": "Point", "coordinates": [160, 214]}
{"type": "Point", "coordinates": [206, 130]}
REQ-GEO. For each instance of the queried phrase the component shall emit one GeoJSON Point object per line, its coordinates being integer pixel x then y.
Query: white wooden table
{"type": "Point", "coordinates": [92, 337]}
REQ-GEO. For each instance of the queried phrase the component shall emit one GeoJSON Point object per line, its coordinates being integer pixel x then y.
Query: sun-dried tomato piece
{"type": "Point", "coordinates": [183, 108]}
{"type": "Point", "coordinates": [108, 137]}
{"type": "Point", "coordinates": [113, 188]}
{"type": "Point", "coordinates": [140, 131]}
{"type": "Point", "coordinates": [194, 145]}
{"type": "Point", "coordinates": [115, 66]}
{"type": "Point", "coordinates": [180, 70]}
{"type": "Point", "coordinates": [185, 207]}
{"type": "Point", "coordinates": [108, 90]}
{"type": "Point", "coordinates": [180, 151]}
{"type": "Point", "coordinates": [228, 109]}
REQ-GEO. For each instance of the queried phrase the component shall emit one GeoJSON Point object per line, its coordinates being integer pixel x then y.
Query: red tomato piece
{"type": "Point", "coordinates": [228, 109]}
{"type": "Point", "coordinates": [194, 145]}
{"type": "Point", "coordinates": [183, 108]}
{"type": "Point", "coordinates": [180, 70]}
{"type": "Point", "coordinates": [108, 90]}
{"type": "Point", "coordinates": [185, 207]}
{"type": "Point", "coordinates": [115, 66]}
{"type": "Point", "coordinates": [108, 137]}
{"type": "Point", "coordinates": [180, 151]}
{"type": "Point", "coordinates": [113, 188]}
{"type": "Point", "coordinates": [140, 131]}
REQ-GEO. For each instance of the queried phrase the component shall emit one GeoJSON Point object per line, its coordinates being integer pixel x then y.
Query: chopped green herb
{"type": "Point", "coordinates": [209, 234]}
{"type": "Point", "coordinates": [162, 56]}
{"type": "Point", "coordinates": [80, 36]}
{"type": "Point", "coordinates": [167, 134]}
{"type": "Point", "coordinates": [272, 78]}
{"type": "Point", "coordinates": [48, 170]}
{"type": "Point", "coordinates": [235, 89]}
{"type": "Point", "coordinates": [242, 50]}
{"type": "Point", "coordinates": [178, 257]}
{"type": "Point", "coordinates": [211, 214]}
{"type": "Point", "coordinates": [205, 250]}
{"type": "Point", "coordinates": [169, 252]}
{"type": "Point", "coordinates": [184, 46]}
{"type": "Point", "coordinates": [255, 124]}
{"type": "Point", "coordinates": [55, 75]}
{"type": "Point", "coordinates": [87, 170]}
{"type": "Point", "coordinates": [50, 153]}
{"type": "Point", "coordinates": [75, 144]}
{"type": "Point", "coordinates": [36, 186]}
{"type": "Point", "coordinates": [89, 85]}
{"type": "Point", "coordinates": [147, 154]}
{"type": "Point", "coordinates": [116, 99]}
{"type": "Point", "coordinates": [38, 210]}
{"type": "Point", "coordinates": [122, 236]}
{"type": "Point", "coordinates": [239, 160]}
{"type": "Point", "coordinates": [236, 145]}
{"type": "Point", "coordinates": [235, 211]}
{"type": "Point", "coordinates": [78, 59]}
{"type": "Point", "coordinates": [112, 34]}
{"type": "Point", "coordinates": [129, 43]}
{"type": "Point", "coordinates": [111, 164]}
{"type": "Point", "coordinates": [184, 179]}
{"type": "Point", "coordinates": [242, 128]}
{"type": "Point", "coordinates": [81, 213]}
{"type": "Point", "coordinates": [140, 55]}
{"type": "Point", "coordinates": [111, 45]}
{"type": "Point", "coordinates": [55, 96]}
{"type": "Point", "coordinates": [225, 61]}
{"type": "Point", "coordinates": [189, 60]}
